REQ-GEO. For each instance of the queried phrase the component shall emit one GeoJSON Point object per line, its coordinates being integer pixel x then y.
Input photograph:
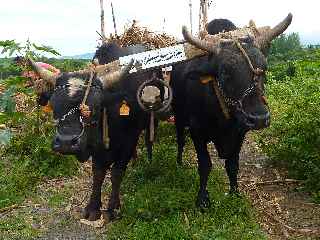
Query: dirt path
{"type": "Point", "coordinates": [283, 211]}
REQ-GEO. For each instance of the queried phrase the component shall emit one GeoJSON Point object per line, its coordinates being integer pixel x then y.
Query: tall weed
{"type": "Point", "coordinates": [293, 139]}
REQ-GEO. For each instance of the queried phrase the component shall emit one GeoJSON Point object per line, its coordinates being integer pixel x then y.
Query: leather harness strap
{"type": "Point", "coordinates": [222, 102]}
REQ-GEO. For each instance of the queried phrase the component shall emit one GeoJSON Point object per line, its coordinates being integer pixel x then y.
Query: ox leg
{"type": "Point", "coordinates": [99, 166]}
{"type": "Point", "coordinates": [180, 132]}
{"type": "Point", "coordinates": [204, 169]}
{"type": "Point", "coordinates": [232, 168]}
{"type": "Point", "coordinates": [118, 171]}
{"type": "Point", "coordinates": [135, 154]}
{"type": "Point", "coordinates": [232, 160]}
{"type": "Point", "coordinates": [114, 200]}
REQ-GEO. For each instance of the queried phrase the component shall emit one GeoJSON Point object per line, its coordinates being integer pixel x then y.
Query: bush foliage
{"type": "Point", "coordinates": [26, 133]}
{"type": "Point", "coordinates": [293, 139]}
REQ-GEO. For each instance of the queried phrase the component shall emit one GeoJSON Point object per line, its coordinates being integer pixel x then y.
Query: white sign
{"type": "Point", "coordinates": [155, 58]}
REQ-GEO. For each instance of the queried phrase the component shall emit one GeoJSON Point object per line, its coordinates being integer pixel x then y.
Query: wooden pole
{"type": "Point", "coordinates": [114, 21]}
{"type": "Point", "coordinates": [190, 9]}
{"type": "Point", "coordinates": [200, 17]}
{"type": "Point", "coordinates": [164, 25]}
{"type": "Point", "coordinates": [204, 13]}
{"type": "Point", "coordinates": [103, 35]}
{"type": "Point", "coordinates": [203, 17]}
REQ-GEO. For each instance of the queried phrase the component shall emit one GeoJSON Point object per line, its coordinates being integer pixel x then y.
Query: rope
{"type": "Point", "coordinates": [84, 109]}
{"type": "Point", "coordinates": [220, 99]}
{"type": "Point", "coordinates": [84, 100]}
{"type": "Point", "coordinates": [256, 71]}
{"type": "Point", "coordinates": [106, 139]}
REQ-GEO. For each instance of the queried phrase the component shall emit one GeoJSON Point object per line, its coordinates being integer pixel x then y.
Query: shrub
{"type": "Point", "coordinates": [29, 158]}
{"type": "Point", "coordinates": [293, 139]}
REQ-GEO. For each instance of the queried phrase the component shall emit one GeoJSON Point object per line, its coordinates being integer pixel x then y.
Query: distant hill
{"type": "Point", "coordinates": [80, 56]}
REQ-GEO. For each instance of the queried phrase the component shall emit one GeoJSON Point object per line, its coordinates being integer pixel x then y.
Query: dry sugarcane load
{"type": "Point", "coordinates": [136, 34]}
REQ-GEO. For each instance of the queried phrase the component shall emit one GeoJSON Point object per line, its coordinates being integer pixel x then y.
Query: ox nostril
{"type": "Point", "coordinates": [57, 141]}
{"type": "Point", "coordinates": [259, 121]}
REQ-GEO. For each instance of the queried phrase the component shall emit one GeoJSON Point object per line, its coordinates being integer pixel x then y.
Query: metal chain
{"type": "Point", "coordinates": [70, 112]}
{"type": "Point", "coordinates": [253, 86]}
{"type": "Point", "coordinates": [65, 86]}
{"type": "Point", "coordinates": [75, 109]}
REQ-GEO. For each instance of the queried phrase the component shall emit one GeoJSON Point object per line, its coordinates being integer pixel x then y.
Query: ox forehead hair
{"type": "Point", "coordinates": [75, 85]}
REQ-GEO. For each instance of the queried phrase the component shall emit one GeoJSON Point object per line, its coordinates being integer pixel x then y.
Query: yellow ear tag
{"type": "Point", "coordinates": [47, 108]}
{"type": "Point", "coordinates": [124, 109]}
{"type": "Point", "coordinates": [206, 79]}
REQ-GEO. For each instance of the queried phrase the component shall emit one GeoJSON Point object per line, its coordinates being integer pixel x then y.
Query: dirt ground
{"type": "Point", "coordinates": [283, 210]}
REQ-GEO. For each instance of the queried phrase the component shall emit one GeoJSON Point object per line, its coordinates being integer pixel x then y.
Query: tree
{"type": "Point", "coordinates": [285, 44]}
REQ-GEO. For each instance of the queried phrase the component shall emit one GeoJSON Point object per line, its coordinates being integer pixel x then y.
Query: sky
{"type": "Point", "coordinates": [69, 26]}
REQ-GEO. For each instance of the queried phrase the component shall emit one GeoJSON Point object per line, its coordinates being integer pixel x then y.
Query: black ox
{"type": "Point", "coordinates": [79, 131]}
{"type": "Point", "coordinates": [220, 96]}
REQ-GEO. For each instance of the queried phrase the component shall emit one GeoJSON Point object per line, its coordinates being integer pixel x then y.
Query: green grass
{"type": "Point", "coordinates": [26, 160]}
{"type": "Point", "coordinates": [16, 227]}
{"type": "Point", "coordinates": [292, 141]}
{"type": "Point", "coordinates": [159, 201]}
{"type": "Point", "coordinates": [57, 200]}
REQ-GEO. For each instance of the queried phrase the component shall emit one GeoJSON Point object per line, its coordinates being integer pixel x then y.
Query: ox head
{"type": "Point", "coordinates": [237, 60]}
{"type": "Point", "coordinates": [78, 127]}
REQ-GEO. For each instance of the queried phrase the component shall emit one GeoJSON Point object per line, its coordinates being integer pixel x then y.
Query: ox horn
{"type": "Point", "coordinates": [209, 43]}
{"type": "Point", "coordinates": [109, 73]}
{"type": "Point", "coordinates": [199, 43]}
{"type": "Point", "coordinates": [43, 73]}
{"type": "Point", "coordinates": [267, 34]}
{"type": "Point", "coordinates": [109, 77]}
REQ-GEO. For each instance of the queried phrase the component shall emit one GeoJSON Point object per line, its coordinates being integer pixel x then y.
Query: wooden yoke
{"type": "Point", "coordinates": [161, 57]}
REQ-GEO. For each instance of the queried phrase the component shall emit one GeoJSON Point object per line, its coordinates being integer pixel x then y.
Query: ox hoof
{"type": "Point", "coordinates": [203, 201]}
{"type": "Point", "coordinates": [91, 214]}
{"type": "Point", "coordinates": [234, 191]}
{"type": "Point", "coordinates": [110, 215]}
{"type": "Point", "coordinates": [179, 162]}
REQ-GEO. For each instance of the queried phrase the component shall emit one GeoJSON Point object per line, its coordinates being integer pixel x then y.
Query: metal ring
{"type": "Point", "coordinates": [166, 102]}
{"type": "Point", "coordinates": [78, 136]}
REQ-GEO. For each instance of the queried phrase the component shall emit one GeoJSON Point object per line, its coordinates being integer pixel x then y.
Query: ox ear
{"type": "Point", "coordinates": [43, 73]}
